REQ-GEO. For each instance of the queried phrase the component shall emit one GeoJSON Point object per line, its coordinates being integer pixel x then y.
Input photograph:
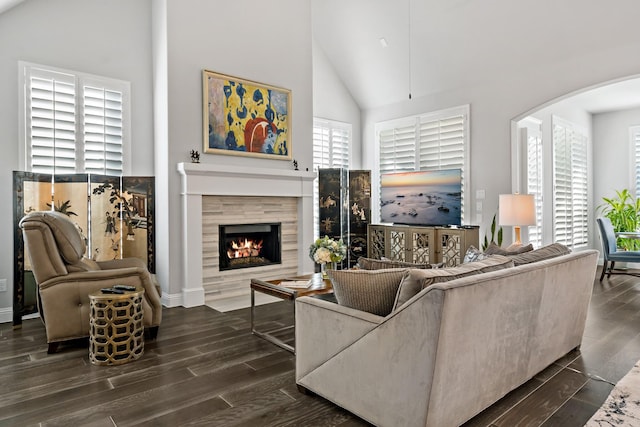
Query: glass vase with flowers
{"type": "Point", "coordinates": [327, 252]}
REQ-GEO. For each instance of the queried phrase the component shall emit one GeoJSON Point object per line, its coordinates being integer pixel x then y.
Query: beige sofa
{"type": "Point", "coordinates": [450, 351]}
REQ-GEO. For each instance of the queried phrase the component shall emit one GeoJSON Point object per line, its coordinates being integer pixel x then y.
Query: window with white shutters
{"type": "Point", "coordinates": [331, 142]}
{"type": "Point", "coordinates": [102, 130]}
{"type": "Point", "coordinates": [634, 134]}
{"type": "Point", "coordinates": [570, 184]}
{"type": "Point", "coordinates": [535, 184]}
{"type": "Point", "coordinates": [398, 142]}
{"type": "Point", "coordinates": [432, 141]}
{"type": "Point", "coordinates": [73, 122]}
{"type": "Point", "coordinates": [531, 174]}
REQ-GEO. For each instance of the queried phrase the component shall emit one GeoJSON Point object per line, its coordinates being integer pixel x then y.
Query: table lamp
{"type": "Point", "coordinates": [516, 210]}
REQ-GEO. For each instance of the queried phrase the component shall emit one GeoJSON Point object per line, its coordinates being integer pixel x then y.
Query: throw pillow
{"type": "Point", "coordinates": [373, 291]}
{"type": "Point", "coordinates": [415, 280]}
{"type": "Point", "coordinates": [473, 254]}
{"type": "Point", "coordinates": [379, 264]}
{"type": "Point", "coordinates": [546, 252]}
{"type": "Point", "coordinates": [494, 249]}
{"type": "Point", "coordinates": [519, 248]}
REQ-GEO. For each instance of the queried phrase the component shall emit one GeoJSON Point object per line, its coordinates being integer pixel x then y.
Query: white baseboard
{"type": "Point", "coordinates": [6, 315]}
{"type": "Point", "coordinates": [187, 298]}
{"type": "Point", "coordinates": [171, 300]}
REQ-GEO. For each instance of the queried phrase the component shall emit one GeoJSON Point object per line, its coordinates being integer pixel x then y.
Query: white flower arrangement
{"type": "Point", "coordinates": [326, 250]}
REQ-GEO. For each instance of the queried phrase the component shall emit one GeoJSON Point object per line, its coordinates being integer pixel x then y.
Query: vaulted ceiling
{"type": "Point", "coordinates": [8, 4]}
{"type": "Point", "coordinates": [439, 45]}
{"type": "Point", "coordinates": [442, 45]}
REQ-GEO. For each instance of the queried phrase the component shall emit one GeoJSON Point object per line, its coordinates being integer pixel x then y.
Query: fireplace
{"type": "Point", "coordinates": [249, 245]}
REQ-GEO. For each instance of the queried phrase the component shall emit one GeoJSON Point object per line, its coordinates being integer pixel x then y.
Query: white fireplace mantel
{"type": "Point", "coordinates": [201, 179]}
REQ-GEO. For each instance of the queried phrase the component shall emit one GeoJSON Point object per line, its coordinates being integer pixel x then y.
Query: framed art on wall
{"type": "Point", "coordinates": [245, 118]}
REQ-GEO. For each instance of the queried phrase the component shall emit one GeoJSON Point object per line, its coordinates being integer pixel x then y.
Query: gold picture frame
{"type": "Point", "coordinates": [245, 118]}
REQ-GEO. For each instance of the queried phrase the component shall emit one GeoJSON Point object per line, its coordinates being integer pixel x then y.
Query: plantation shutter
{"type": "Point", "coordinates": [321, 146]}
{"type": "Point", "coordinates": [398, 148]}
{"type": "Point", "coordinates": [579, 190]}
{"type": "Point", "coordinates": [331, 141]}
{"type": "Point", "coordinates": [535, 184]}
{"type": "Point", "coordinates": [73, 122]}
{"type": "Point", "coordinates": [102, 131]}
{"type": "Point", "coordinates": [442, 143]}
{"type": "Point", "coordinates": [570, 183]}
{"type": "Point", "coordinates": [427, 142]}
{"type": "Point", "coordinates": [635, 143]}
{"type": "Point", "coordinates": [51, 122]}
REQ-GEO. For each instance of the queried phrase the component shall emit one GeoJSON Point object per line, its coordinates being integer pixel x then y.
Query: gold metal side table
{"type": "Point", "coordinates": [116, 329]}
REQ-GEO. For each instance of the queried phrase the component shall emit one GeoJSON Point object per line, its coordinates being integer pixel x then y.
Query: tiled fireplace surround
{"type": "Point", "coordinates": [215, 194]}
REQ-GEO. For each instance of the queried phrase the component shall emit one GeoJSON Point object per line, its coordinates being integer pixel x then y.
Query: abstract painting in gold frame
{"type": "Point", "coordinates": [245, 118]}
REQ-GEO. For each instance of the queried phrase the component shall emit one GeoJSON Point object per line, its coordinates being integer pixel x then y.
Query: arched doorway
{"type": "Point", "coordinates": [572, 151]}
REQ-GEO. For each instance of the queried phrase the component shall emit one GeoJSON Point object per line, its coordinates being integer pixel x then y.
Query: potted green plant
{"type": "Point", "coordinates": [486, 243]}
{"type": "Point", "coordinates": [624, 213]}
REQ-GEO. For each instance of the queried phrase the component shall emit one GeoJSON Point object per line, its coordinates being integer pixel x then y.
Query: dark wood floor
{"type": "Point", "coordinates": [205, 368]}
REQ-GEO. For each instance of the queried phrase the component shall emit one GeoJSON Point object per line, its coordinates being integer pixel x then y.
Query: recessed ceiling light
{"type": "Point", "coordinates": [383, 42]}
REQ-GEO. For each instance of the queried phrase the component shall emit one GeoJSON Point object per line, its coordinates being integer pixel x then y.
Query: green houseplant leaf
{"type": "Point", "coordinates": [623, 211]}
{"type": "Point", "coordinates": [487, 242]}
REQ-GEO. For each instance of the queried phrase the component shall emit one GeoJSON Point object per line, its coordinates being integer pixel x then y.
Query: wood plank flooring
{"type": "Point", "coordinates": [207, 369]}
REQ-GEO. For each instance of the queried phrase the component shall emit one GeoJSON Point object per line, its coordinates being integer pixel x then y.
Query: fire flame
{"type": "Point", "coordinates": [248, 248]}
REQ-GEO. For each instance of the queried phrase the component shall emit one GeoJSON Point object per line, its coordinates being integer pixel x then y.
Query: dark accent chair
{"type": "Point", "coordinates": [610, 250]}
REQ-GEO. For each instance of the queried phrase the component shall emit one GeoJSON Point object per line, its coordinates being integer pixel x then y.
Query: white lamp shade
{"type": "Point", "coordinates": [516, 209]}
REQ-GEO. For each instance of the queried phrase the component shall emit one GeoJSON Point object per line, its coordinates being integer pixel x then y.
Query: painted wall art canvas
{"type": "Point", "coordinates": [245, 118]}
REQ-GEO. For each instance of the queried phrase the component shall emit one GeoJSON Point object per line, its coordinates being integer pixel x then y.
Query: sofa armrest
{"type": "Point", "coordinates": [74, 288]}
{"type": "Point", "coordinates": [381, 369]}
{"type": "Point", "coordinates": [324, 328]}
{"type": "Point", "coordinates": [130, 262]}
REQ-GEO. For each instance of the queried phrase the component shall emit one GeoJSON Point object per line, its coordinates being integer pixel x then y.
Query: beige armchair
{"type": "Point", "coordinates": [65, 279]}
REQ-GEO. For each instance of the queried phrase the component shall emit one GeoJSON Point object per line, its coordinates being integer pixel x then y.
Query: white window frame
{"type": "Point", "coordinates": [80, 79]}
{"type": "Point", "coordinates": [531, 152]}
{"type": "Point", "coordinates": [332, 127]}
{"type": "Point", "coordinates": [634, 144]}
{"type": "Point", "coordinates": [416, 120]}
{"type": "Point", "coordinates": [579, 235]}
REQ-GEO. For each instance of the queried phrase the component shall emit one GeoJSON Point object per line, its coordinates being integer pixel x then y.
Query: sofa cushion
{"type": "Point", "coordinates": [379, 264]}
{"type": "Point", "coordinates": [514, 249]}
{"type": "Point", "coordinates": [415, 280]}
{"type": "Point", "coordinates": [373, 291]}
{"type": "Point", "coordinates": [546, 252]}
{"type": "Point", "coordinates": [474, 254]}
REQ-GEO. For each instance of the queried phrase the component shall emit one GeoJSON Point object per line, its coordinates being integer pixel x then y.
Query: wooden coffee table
{"type": "Point", "coordinates": [319, 286]}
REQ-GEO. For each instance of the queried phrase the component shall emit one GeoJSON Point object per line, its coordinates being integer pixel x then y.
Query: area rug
{"type": "Point", "coordinates": [622, 407]}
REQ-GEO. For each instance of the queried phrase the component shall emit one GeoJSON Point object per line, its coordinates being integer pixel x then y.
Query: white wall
{"type": "Point", "coordinates": [613, 153]}
{"type": "Point", "coordinates": [111, 39]}
{"type": "Point", "coordinates": [495, 100]}
{"type": "Point", "coordinates": [268, 42]}
{"type": "Point", "coordinates": [332, 100]}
